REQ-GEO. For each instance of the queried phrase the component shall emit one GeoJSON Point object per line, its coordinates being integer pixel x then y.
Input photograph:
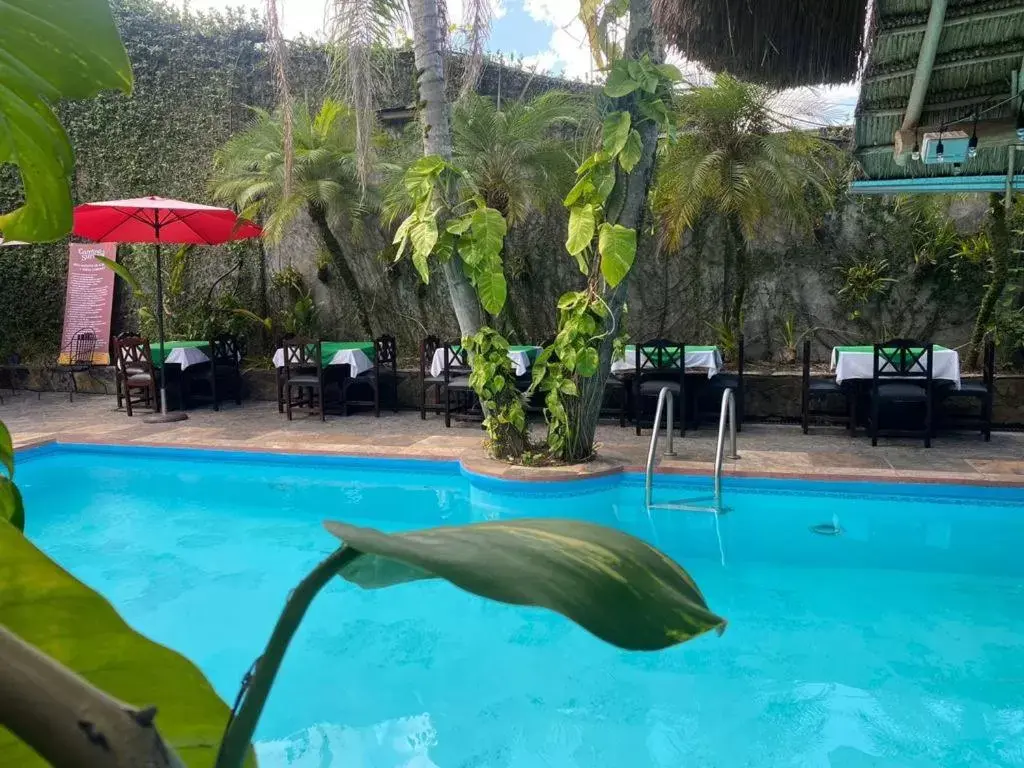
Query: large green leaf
{"type": "Point", "coordinates": [617, 246]}
{"type": "Point", "coordinates": [12, 509]}
{"type": "Point", "coordinates": [50, 50]}
{"type": "Point", "coordinates": [6, 449]}
{"type": "Point", "coordinates": [611, 584]}
{"type": "Point", "coordinates": [581, 228]}
{"type": "Point", "coordinates": [632, 151]}
{"type": "Point", "coordinates": [491, 287]}
{"type": "Point", "coordinates": [619, 83]}
{"type": "Point", "coordinates": [488, 230]}
{"type": "Point", "coordinates": [423, 234]}
{"type": "Point", "coordinates": [47, 607]}
{"type": "Point", "coordinates": [615, 132]}
{"type": "Point", "coordinates": [124, 273]}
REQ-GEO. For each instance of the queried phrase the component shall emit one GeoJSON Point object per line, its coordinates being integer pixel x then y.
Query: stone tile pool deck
{"type": "Point", "coordinates": [765, 450]}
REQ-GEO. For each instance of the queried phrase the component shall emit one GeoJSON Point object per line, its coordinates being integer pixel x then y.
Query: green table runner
{"type": "Point", "coordinates": [870, 349]}
{"type": "Point", "coordinates": [329, 348]}
{"type": "Point", "coordinates": [673, 352]}
{"type": "Point", "coordinates": [171, 345]}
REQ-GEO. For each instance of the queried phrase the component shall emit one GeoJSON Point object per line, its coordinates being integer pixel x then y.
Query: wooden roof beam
{"type": "Point", "coordinates": [954, 21]}
{"type": "Point", "coordinates": [944, 65]}
{"type": "Point", "coordinates": [923, 72]}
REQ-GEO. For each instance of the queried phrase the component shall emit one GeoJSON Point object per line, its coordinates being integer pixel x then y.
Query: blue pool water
{"type": "Point", "coordinates": [898, 643]}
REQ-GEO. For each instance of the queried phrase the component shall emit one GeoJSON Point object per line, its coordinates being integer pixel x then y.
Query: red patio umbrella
{"type": "Point", "coordinates": [159, 220]}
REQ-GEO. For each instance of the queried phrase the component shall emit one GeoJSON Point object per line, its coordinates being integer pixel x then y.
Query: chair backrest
{"type": "Point", "coordinates": [83, 345]}
{"type": "Point", "coordinates": [903, 359]}
{"type": "Point", "coordinates": [660, 356]}
{"type": "Point", "coordinates": [385, 349]}
{"type": "Point", "coordinates": [456, 359]}
{"type": "Point", "coordinates": [301, 355]}
{"type": "Point", "coordinates": [989, 363]}
{"type": "Point", "coordinates": [806, 373]}
{"type": "Point", "coordinates": [133, 353]}
{"type": "Point", "coordinates": [740, 354]}
{"type": "Point", "coordinates": [225, 349]}
{"type": "Point", "coordinates": [428, 346]}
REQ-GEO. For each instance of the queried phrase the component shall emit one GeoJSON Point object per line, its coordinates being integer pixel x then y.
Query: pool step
{"type": "Point", "coordinates": [693, 505]}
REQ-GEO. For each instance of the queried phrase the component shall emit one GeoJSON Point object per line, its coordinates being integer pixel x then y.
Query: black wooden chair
{"type": "Point", "coordinates": [452, 381]}
{"type": "Point", "coordinates": [384, 371]}
{"type": "Point", "coordinates": [983, 391]}
{"type": "Point", "coordinates": [303, 375]}
{"type": "Point", "coordinates": [822, 389]}
{"type": "Point", "coordinates": [280, 371]}
{"type": "Point", "coordinates": [724, 380]}
{"type": "Point", "coordinates": [225, 373]}
{"type": "Point", "coordinates": [79, 358]}
{"type": "Point", "coordinates": [901, 375]}
{"type": "Point", "coordinates": [659, 363]}
{"type": "Point", "coordinates": [134, 372]}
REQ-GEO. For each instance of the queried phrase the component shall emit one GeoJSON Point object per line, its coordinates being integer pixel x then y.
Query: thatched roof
{"type": "Point", "coordinates": [781, 43]}
{"type": "Point", "coordinates": [980, 46]}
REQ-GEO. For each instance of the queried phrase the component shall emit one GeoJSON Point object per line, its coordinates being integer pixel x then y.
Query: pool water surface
{"type": "Point", "coordinates": [899, 642]}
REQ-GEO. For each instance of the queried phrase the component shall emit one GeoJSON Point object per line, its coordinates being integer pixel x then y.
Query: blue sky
{"type": "Point", "coordinates": [548, 36]}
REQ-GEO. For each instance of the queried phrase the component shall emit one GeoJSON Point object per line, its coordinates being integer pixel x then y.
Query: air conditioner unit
{"type": "Point", "coordinates": [954, 147]}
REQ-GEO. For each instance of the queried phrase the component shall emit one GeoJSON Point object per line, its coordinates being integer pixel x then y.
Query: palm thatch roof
{"type": "Point", "coordinates": [780, 43]}
{"type": "Point", "coordinates": [980, 45]}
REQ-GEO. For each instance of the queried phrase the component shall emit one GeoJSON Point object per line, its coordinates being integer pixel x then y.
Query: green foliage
{"type": "Point", "coordinates": [733, 156]}
{"type": "Point", "coordinates": [50, 609]}
{"type": "Point", "coordinates": [50, 50]}
{"type": "Point", "coordinates": [12, 510]}
{"type": "Point", "coordinates": [476, 235]}
{"type": "Point", "coordinates": [494, 380]}
{"type": "Point", "coordinates": [610, 583]}
{"type": "Point", "coordinates": [862, 281]}
{"type": "Point", "coordinates": [250, 173]}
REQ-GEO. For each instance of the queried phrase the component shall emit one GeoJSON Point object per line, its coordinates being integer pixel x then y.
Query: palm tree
{"type": "Point", "coordinates": [518, 155]}
{"type": "Point", "coordinates": [736, 157]}
{"type": "Point", "coordinates": [250, 173]}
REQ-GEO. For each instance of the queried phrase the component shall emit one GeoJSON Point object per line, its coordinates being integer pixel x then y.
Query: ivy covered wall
{"type": "Point", "coordinates": [196, 78]}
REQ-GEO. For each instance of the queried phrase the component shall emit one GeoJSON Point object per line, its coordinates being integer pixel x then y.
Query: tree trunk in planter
{"type": "Point", "coordinates": [348, 279]}
{"type": "Point", "coordinates": [437, 140]}
{"type": "Point", "coordinates": [1000, 277]}
{"type": "Point", "coordinates": [627, 206]}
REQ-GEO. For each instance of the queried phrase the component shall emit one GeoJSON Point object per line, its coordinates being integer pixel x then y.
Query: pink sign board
{"type": "Point", "coordinates": [90, 298]}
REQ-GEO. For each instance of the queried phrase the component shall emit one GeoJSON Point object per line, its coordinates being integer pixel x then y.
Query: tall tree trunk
{"type": "Point", "coordinates": [348, 279]}
{"type": "Point", "coordinates": [1000, 277]}
{"type": "Point", "coordinates": [627, 206]}
{"type": "Point", "coordinates": [437, 140]}
{"type": "Point", "coordinates": [739, 290]}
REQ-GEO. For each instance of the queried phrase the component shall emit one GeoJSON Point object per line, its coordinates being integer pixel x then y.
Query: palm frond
{"type": "Point", "coordinates": [361, 33]}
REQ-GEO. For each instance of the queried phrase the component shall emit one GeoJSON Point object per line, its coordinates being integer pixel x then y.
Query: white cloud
{"type": "Point", "coordinates": [568, 51]}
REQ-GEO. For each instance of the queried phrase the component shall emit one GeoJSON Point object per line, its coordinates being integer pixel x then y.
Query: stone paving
{"type": "Point", "coordinates": [765, 450]}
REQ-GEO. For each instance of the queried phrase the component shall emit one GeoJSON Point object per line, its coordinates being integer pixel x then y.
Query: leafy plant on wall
{"type": "Point", "coordinates": [50, 50]}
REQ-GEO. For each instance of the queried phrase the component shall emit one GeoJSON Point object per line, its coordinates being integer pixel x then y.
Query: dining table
{"type": "Point", "coordinates": [701, 358]}
{"type": "Point", "coordinates": [856, 363]}
{"type": "Point", "coordinates": [521, 355]}
{"type": "Point", "coordinates": [181, 352]}
{"type": "Point", "coordinates": [358, 355]}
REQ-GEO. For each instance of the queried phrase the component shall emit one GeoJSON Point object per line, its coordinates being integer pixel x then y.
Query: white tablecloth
{"type": "Point", "coordinates": [695, 358]}
{"type": "Point", "coordinates": [519, 357]}
{"type": "Point", "coordinates": [186, 356]}
{"type": "Point", "coordinates": [356, 359]}
{"type": "Point", "coordinates": [860, 365]}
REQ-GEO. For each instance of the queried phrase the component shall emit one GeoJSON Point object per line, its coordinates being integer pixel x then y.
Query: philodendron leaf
{"type": "Point", "coordinates": [491, 287]}
{"type": "Point", "coordinates": [617, 246]}
{"type": "Point", "coordinates": [6, 449]}
{"type": "Point", "coordinates": [615, 132]}
{"type": "Point", "coordinates": [632, 151]}
{"type": "Point", "coordinates": [613, 585]}
{"type": "Point", "coordinates": [47, 607]}
{"type": "Point", "coordinates": [11, 507]}
{"type": "Point", "coordinates": [50, 50]}
{"type": "Point", "coordinates": [581, 228]}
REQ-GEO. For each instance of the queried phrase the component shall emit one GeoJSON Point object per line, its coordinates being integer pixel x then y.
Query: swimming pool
{"type": "Point", "coordinates": [898, 643]}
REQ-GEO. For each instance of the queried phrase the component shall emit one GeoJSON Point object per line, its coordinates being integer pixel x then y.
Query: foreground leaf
{"type": "Point", "coordinates": [615, 133]}
{"type": "Point", "coordinates": [581, 228]}
{"type": "Point", "coordinates": [12, 509]}
{"type": "Point", "coordinates": [47, 607]}
{"type": "Point", "coordinates": [613, 585]}
{"type": "Point", "coordinates": [50, 50]}
{"type": "Point", "coordinates": [6, 449]}
{"type": "Point", "coordinates": [491, 288]}
{"type": "Point", "coordinates": [617, 246]}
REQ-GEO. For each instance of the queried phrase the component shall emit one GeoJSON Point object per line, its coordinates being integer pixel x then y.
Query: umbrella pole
{"type": "Point", "coordinates": [163, 416]}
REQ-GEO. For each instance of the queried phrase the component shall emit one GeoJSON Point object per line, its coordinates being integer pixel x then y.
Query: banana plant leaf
{"type": "Point", "coordinates": [613, 585]}
{"type": "Point", "coordinates": [47, 607]}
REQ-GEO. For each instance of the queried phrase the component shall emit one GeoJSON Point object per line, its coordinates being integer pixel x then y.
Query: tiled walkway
{"type": "Point", "coordinates": [765, 450]}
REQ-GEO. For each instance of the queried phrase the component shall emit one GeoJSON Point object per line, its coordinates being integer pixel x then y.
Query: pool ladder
{"type": "Point", "coordinates": [727, 413]}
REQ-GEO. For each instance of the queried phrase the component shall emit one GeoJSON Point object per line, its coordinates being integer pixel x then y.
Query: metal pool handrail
{"type": "Point", "coordinates": [728, 410]}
